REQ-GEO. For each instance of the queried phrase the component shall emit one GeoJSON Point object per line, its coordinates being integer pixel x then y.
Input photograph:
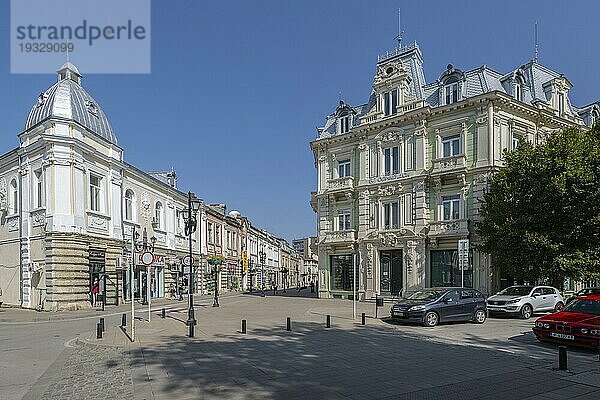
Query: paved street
{"type": "Point", "coordinates": [497, 360]}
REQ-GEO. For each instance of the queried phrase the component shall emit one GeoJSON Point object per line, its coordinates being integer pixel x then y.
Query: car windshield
{"type": "Point", "coordinates": [517, 290]}
{"type": "Point", "coordinates": [425, 295]}
{"type": "Point", "coordinates": [584, 306]}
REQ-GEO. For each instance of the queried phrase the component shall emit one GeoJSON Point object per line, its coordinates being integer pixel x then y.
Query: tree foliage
{"type": "Point", "coordinates": [540, 217]}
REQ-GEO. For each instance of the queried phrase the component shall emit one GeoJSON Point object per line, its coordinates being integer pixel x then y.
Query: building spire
{"type": "Point", "coordinates": [400, 31]}
{"type": "Point", "coordinates": [535, 41]}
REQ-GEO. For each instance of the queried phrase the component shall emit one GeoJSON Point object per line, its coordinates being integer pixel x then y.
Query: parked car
{"type": "Point", "coordinates": [583, 292]}
{"type": "Point", "coordinates": [578, 324]}
{"type": "Point", "coordinates": [435, 305]}
{"type": "Point", "coordinates": [525, 300]}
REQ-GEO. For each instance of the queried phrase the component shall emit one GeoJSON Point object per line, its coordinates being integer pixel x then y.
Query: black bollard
{"type": "Point", "coordinates": [363, 319]}
{"type": "Point", "coordinates": [562, 358]}
{"type": "Point", "coordinates": [244, 326]}
{"type": "Point", "coordinates": [289, 324]}
{"type": "Point", "coordinates": [98, 330]}
{"type": "Point", "coordinates": [162, 313]}
{"type": "Point", "coordinates": [102, 324]}
{"type": "Point", "coordinates": [123, 320]}
{"type": "Point", "coordinates": [328, 322]}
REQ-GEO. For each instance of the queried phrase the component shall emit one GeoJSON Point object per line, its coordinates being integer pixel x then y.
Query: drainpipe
{"type": "Point", "coordinates": [122, 241]}
{"type": "Point", "coordinates": [20, 184]}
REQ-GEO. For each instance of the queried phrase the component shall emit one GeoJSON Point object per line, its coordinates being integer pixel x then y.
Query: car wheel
{"type": "Point", "coordinates": [526, 311]}
{"type": "Point", "coordinates": [559, 307]}
{"type": "Point", "coordinates": [480, 316]}
{"type": "Point", "coordinates": [431, 319]}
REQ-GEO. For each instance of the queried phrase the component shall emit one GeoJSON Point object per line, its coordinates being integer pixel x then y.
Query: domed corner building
{"type": "Point", "coordinates": [69, 205]}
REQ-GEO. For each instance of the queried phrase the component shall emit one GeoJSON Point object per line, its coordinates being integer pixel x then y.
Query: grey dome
{"type": "Point", "coordinates": [68, 99]}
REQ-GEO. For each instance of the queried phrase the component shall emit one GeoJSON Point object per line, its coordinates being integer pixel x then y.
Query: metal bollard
{"type": "Point", "coordinates": [363, 319]}
{"type": "Point", "coordinates": [562, 358]}
{"type": "Point", "coordinates": [98, 330]}
{"type": "Point", "coordinates": [162, 313]}
{"type": "Point", "coordinates": [124, 320]}
{"type": "Point", "coordinates": [244, 326]}
{"type": "Point", "coordinates": [289, 324]}
{"type": "Point", "coordinates": [102, 324]}
{"type": "Point", "coordinates": [328, 322]}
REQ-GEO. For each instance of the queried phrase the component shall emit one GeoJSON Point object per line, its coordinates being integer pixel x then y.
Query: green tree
{"type": "Point", "coordinates": [541, 212]}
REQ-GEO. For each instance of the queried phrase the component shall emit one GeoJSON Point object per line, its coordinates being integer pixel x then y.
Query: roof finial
{"type": "Point", "coordinates": [535, 39]}
{"type": "Point", "coordinates": [67, 52]}
{"type": "Point", "coordinates": [400, 31]}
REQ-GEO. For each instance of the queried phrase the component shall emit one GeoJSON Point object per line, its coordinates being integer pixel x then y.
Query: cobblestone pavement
{"type": "Point", "coordinates": [497, 360]}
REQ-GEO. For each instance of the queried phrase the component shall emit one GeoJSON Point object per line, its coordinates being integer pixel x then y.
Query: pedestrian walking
{"type": "Point", "coordinates": [95, 290]}
{"type": "Point", "coordinates": [0, 297]}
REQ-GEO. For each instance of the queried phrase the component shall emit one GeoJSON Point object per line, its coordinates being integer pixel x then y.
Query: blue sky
{"type": "Point", "coordinates": [238, 87]}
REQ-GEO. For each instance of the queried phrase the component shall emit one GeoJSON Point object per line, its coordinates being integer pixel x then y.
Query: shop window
{"type": "Point", "coordinates": [342, 272]}
{"type": "Point", "coordinates": [445, 271]}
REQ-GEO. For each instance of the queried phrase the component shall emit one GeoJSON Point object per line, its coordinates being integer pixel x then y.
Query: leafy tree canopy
{"type": "Point", "coordinates": [541, 212]}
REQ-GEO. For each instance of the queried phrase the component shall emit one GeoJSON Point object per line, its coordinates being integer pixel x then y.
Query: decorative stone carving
{"type": "Point", "coordinates": [386, 178]}
{"type": "Point", "coordinates": [3, 195]}
{"type": "Point", "coordinates": [389, 190]}
{"type": "Point", "coordinates": [420, 185]}
{"type": "Point", "coordinates": [146, 206]}
{"type": "Point", "coordinates": [369, 260]}
{"type": "Point", "coordinates": [97, 222]}
{"type": "Point", "coordinates": [322, 158]}
{"type": "Point", "coordinates": [161, 237]}
{"type": "Point", "coordinates": [38, 218]}
{"type": "Point", "coordinates": [13, 223]}
{"type": "Point", "coordinates": [390, 239]}
{"type": "Point", "coordinates": [482, 178]}
{"type": "Point", "coordinates": [437, 182]}
{"type": "Point", "coordinates": [362, 147]}
{"type": "Point", "coordinates": [365, 194]}
{"type": "Point", "coordinates": [390, 137]}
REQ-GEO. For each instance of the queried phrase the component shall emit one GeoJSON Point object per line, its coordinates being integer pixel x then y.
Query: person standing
{"type": "Point", "coordinates": [95, 291]}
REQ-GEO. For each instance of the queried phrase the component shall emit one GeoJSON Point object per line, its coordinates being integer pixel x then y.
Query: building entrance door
{"type": "Point", "coordinates": [390, 272]}
{"type": "Point", "coordinates": [97, 270]}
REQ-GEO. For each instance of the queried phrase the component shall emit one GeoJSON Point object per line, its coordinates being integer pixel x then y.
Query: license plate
{"type": "Point", "coordinates": [562, 336]}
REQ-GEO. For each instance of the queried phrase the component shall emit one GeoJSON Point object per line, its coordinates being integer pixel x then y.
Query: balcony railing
{"type": "Point", "coordinates": [347, 236]}
{"type": "Point", "coordinates": [456, 227]}
{"type": "Point", "coordinates": [448, 164]}
{"type": "Point", "coordinates": [344, 183]}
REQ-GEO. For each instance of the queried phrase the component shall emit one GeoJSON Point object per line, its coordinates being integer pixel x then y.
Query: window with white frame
{"type": "Point", "coordinates": [594, 116]}
{"type": "Point", "coordinates": [408, 209]}
{"type": "Point", "coordinates": [518, 91]}
{"type": "Point", "coordinates": [158, 215]}
{"type": "Point", "coordinates": [39, 189]}
{"type": "Point", "coordinates": [390, 102]}
{"type": "Point", "coordinates": [211, 232]}
{"type": "Point", "coordinates": [561, 103]}
{"type": "Point", "coordinates": [515, 140]}
{"type": "Point", "coordinates": [180, 221]}
{"type": "Point", "coordinates": [451, 92]}
{"type": "Point", "coordinates": [391, 160]}
{"type": "Point", "coordinates": [451, 146]}
{"type": "Point", "coordinates": [129, 204]}
{"type": "Point", "coordinates": [14, 197]}
{"type": "Point", "coordinates": [95, 193]}
{"type": "Point", "coordinates": [344, 168]}
{"type": "Point", "coordinates": [344, 220]}
{"type": "Point", "coordinates": [450, 207]}
{"type": "Point", "coordinates": [391, 216]}
{"type": "Point", "coordinates": [218, 234]}
{"type": "Point", "coordinates": [344, 122]}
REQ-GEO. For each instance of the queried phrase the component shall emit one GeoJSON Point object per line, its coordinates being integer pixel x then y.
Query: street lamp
{"type": "Point", "coordinates": [141, 246]}
{"type": "Point", "coordinates": [189, 217]}
{"type": "Point", "coordinates": [216, 262]}
{"type": "Point", "coordinates": [263, 257]}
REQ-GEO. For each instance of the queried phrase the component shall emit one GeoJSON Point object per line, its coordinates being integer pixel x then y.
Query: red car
{"type": "Point", "coordinates": [578, 324]}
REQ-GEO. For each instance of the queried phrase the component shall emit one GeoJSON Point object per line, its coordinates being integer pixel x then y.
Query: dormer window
{"type": "Point", "coordinates": [519, 91]}
{"type": "Point", "coordinates": [451, 91]}
{"type": "Point", "coordinates": [561, 103]}
{"type": "Point", "coordinates": [344, 122]}
{"type": "Point", "coordinates": [594, 117]}
{"type": "Point", "coordinates": [390, 102]}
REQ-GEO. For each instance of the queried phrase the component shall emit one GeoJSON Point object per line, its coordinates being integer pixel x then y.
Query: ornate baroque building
{"type": "Point", "coordinates": [400, 177]}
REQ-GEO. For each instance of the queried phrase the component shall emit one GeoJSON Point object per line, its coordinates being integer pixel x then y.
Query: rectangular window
{"type": "Point", "coordinates": [218, 235]}
{"type": "Point", "coordinates": [408, 209]}
{"type": "Point", "coordinates": [515, 141]}
{"type": "Point", "coordinates": [342, 272]}
{"type": "Point", "coordinates": [39, 189]}
{"type": "Point", "coordinates": [451, 146]}
{"type": "Point", "coordinates": [561, 103]}
{"type": "Point", "coordinates": [344, 124]}
{"type": "Point", "coordinates": [391, 160]}
{"type": "Point", "coordinates": [445, 271]}
{"type": "Point", "coordinates": [390, 102]}
{"type": "Point", "coordinates": [452, 93]}
{"type": "Point", "coordinates": [391, 218]}
{"type": "Point", "coordinates": [344, 168]}
{"type": "Point", "coordinates": [211, 232]}
{"type": "Point", "coordinates": [450, 207]}
{"type": "Point", "coordinates": [95, 191]}
{"type": "Point", "coordinates": [518, 92]}
{"type": "Point", "coordinates": [344, 220]}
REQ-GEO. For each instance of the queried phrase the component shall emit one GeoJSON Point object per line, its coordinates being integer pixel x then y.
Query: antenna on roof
{"type": "Point", "coordinates": [400, 31]}
{"type": "Point", "coordinates": [67, 52]}
{"type": "Point", "coordinates": [535, 38]}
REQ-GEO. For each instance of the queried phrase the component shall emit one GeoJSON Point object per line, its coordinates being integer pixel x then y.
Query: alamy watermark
{"type": "Point", "coordinates": [107, 36]}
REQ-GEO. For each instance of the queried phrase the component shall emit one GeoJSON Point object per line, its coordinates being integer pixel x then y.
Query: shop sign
{"type": "Point", "coordinates": [157, 260]}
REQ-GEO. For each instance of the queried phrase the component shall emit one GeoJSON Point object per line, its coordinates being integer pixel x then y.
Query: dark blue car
{"type": "Point", "coordinates": [434, 305]}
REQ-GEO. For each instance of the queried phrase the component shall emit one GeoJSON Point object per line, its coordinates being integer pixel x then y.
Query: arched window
{"type": "Point", "coordinates": [14, 197]}
{"type": "Point", "coordinates": [158, 215]}
{"type": "Point", "coordinates": [451, 89]}
{"type": "Point", "coordinates": [130, 205]}
{"type": "Point", "coordinates": [519, 83]}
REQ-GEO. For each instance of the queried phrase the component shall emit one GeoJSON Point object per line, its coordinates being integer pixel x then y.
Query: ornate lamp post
{"type": "Point", "coordinates": [189, 217]}
{"type": "Point", "coordinates": [216, 262]}
{"type": "Point", "coordinates": [263, 257]}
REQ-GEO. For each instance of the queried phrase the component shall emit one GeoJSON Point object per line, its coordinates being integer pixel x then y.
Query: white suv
{"type": "Point", "coordinates": [526, 300]}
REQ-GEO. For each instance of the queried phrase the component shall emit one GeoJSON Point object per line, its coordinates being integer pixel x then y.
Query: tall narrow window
{"type": "Point", "coordinates": [561, 103]}
{"type": "Point", "coordinates": [391, 162]}
{"type": "Point", "coordinates": [344, 123]}
{"type": "Point", "coordinates": [39, 189]}
{"type": "Point", "coordinates": [95, 192]}
{"type": "Point", "coordinates": [390, 102]}
{"type": "Point", "coordinates": [211, 232]}
{"type": "Point", "coordinates": [344, 220]}
{"type": "Point", "coordinates": [451, 146]}
{"type": "Point", "coordinates": [408, 209]}
{"type": "Point", "coordinates": [343, 168]}
{"type": "Point", "coordinates": [391, 218]}
{"type": "Point", "coordinates": [451, 207]}
{"type": "Point", "coordinates": [218, 235]}
{"type": "Point", "coordinates": [515, 141]}
{"type": "Point", "coordinates": [14, 197]}
{"type": "Point", "coordinates": [451, 92]}
{"type": "Point", "coordinates": [519, 91]}
{"type": "Point", "coordinates": [158, 215]}
{"type": "Point", "coordinates": [129, 204]}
